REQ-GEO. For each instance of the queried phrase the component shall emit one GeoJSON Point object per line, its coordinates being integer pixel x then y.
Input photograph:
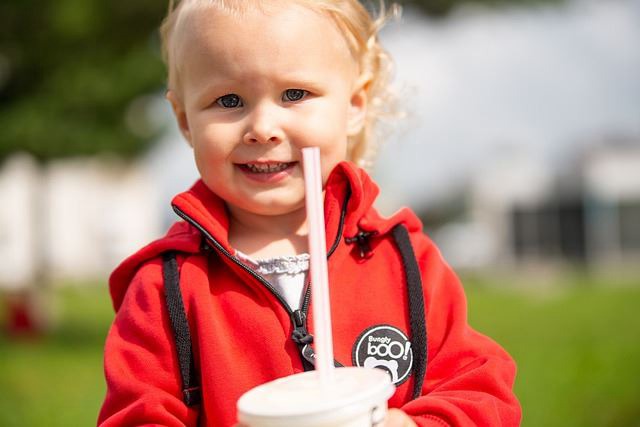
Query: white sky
{"type": "Point", "coordinates": [544, 80]}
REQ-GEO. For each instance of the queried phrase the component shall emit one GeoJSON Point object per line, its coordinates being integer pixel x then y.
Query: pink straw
{"type": "Point", "coordinates": [318, 251]}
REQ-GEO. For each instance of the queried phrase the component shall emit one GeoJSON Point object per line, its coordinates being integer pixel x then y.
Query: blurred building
{"type": "Point", "coordinates": [19, 180]}
{"type": "Point", "coordinates": [611, 174]}
{"type": "Point", "coordinates": [72, 219]}
{"type": "Point", "coordinates": [76, 219]}
{"type": "Point", "coordinates": [525, 210]}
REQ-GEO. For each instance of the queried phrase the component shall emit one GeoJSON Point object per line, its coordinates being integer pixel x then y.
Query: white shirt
{"type": "Point", "coordinates": [287, 274]}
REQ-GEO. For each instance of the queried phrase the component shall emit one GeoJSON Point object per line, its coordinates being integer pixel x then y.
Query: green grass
{"type": "Point", "coordinates": [57, 380]}
{"type": "Point", "coordinates": [577, 345]}
{"type": "Point", "coordinates": [577, 349]}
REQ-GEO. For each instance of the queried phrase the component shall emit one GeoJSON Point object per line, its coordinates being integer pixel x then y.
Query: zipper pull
{"type": "Point", "coordinates": [300, 334]}
{"type": "Point", "coordinates": [304, 339]}
{"type": "Point", "coordinates": [310, 356]}
{"type": "Point", "coordinates": [308, 353]}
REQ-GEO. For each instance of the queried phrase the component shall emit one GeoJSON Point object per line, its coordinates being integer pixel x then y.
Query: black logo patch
{"type": "Point", "coordinates": [385, 347]}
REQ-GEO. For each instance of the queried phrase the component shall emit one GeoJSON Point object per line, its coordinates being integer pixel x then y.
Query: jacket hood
{"type": "Point", "coordinates": [349, 197]}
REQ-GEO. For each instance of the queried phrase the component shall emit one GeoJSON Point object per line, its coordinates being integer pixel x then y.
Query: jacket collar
{"type": "Point", "coordinates": [349, 194]}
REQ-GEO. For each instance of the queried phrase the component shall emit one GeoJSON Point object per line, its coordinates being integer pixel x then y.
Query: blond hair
{"type": "Point", "coordinates": [360, 30]}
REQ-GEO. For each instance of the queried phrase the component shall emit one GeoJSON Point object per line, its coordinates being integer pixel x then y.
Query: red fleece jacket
{"type": "Point", "coordinates": [242, 333]}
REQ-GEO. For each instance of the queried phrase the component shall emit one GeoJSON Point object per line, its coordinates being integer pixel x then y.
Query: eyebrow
{"type": "Point", "coordinates": [289, 81]}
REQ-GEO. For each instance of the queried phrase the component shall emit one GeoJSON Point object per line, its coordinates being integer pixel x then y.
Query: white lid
{"type": "Point", "coordinates": [303, 397]}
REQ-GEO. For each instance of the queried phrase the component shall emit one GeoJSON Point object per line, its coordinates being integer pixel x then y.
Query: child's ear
{"type": "Point", "coordinates": [180, 113]}
{"type": "Point", "coordinates": [358, 104]}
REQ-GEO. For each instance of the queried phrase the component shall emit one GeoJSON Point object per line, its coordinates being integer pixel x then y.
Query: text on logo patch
{"type": "Point", "coordinates": [385, 347]}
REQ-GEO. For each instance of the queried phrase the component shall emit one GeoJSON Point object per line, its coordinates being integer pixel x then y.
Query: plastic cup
{"type": "Point", "coordinates": [355, 397]}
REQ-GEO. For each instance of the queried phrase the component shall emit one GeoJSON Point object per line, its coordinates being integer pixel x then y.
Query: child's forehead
{"type": "Point", "coordinates": [261, 44]}
{"type": "Point", "coordinates": [212, 27]}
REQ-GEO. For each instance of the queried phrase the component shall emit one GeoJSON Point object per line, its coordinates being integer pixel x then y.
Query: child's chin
{"type": "Point", "coordinates": [278, 207]}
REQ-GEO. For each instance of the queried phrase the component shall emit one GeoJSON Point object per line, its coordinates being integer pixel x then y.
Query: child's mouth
{"type": "Point", "coordinates": [267, 172]}
{"type": "Point", "coordinates": [269, 167]}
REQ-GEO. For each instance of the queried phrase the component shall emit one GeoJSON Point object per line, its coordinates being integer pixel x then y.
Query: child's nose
{"type": "Point", "coordinates": [264, 126]}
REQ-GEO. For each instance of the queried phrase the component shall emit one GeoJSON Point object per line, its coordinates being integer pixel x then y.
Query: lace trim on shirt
{"type": "Point", "coordinates": [289, 264]}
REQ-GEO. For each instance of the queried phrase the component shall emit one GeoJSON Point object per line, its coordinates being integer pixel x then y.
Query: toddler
{"type": "Point", "coordinates": [221, 304]}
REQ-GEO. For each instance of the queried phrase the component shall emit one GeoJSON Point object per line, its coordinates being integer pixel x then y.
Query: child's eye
{"type": "Point", "coordinates": [229, 101]}
{"type": "Point", "coordinates": [294, 94]}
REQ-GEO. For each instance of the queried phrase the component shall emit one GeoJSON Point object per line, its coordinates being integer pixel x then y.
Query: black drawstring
{"type": "Point", "coordinates": [362, 239]}
{"type": "Point", "coordinates": [191, 393]}
{"type": "Point", "coordinates": [417, 320]}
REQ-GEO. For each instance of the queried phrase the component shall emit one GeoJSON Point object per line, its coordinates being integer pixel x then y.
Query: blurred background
{"type": "Point", "coordinates": [520, 151]}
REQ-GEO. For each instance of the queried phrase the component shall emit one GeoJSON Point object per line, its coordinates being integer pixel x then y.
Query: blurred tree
{"type": "Point", "coordinates": [69, 70]}
{"type": "Point", "coordinates": [440, 8]}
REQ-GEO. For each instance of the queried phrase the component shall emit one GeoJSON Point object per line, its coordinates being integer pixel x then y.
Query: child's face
{"type": "Point", "coordinates": [255, 89]}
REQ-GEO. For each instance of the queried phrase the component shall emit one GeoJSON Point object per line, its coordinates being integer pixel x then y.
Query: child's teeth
{"type": "Point", "coordinates": [267, 168]}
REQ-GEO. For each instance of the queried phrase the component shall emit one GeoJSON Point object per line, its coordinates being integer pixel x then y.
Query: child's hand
{"type": "Point", "coordinates": [397, 418]}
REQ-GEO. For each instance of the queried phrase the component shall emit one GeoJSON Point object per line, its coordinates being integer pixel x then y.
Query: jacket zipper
{"type": "Point", "coordinates": [298, 317]}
